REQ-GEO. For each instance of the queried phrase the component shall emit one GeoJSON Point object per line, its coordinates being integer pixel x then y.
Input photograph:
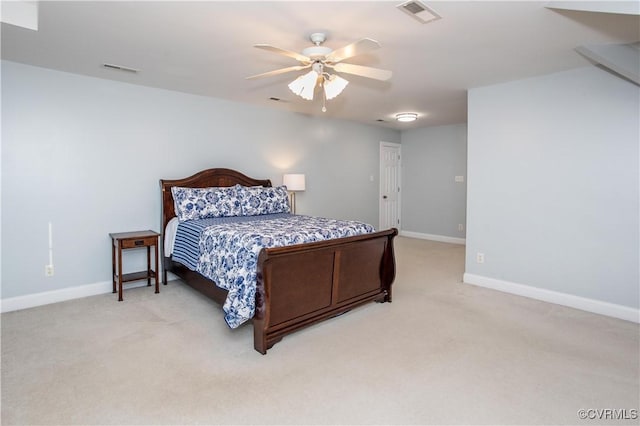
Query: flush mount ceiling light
{"type": "Point", "coordinates": [405, 117]}
{"type": "Point", "coordinates": [318, 58]}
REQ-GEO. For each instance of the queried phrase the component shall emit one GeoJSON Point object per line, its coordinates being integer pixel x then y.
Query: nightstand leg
{"type": "Point", "coordinates": [113, 264]}
{"type": "Point", "coordinates": [119, 273]}
{"type": "Point", "coordinates": [148, 266]}
{"type": "Point", "coordinates": [157, 270]}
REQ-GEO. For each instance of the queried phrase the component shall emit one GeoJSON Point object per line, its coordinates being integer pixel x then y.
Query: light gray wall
{"type": "Point", "coordinates": [553, 184]}
{"type": "Point", "coordinates": [87, 154]}
{"type": "Point", "coordinates": [432, 202]}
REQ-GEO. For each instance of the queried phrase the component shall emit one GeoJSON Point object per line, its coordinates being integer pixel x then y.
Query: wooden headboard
{"type": "Point", "coordinates": [204, 179]}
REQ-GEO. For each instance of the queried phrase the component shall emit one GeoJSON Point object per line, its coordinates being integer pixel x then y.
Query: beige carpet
{"type": "Point", "coordinates": [442, 353]}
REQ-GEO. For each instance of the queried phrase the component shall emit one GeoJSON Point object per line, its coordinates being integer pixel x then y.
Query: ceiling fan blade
{"type": "Point", "coordinates": [279, 71]}
{"type": "Point", "coordinates": [359, 47]}
{"type": "Point", "coordinates": [289, 53]}
{"type": "Point", "coordinates": [369, 72]}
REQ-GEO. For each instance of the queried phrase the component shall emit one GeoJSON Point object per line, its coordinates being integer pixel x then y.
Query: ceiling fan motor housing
{"type": "Point", "coordinates": [316, 52]}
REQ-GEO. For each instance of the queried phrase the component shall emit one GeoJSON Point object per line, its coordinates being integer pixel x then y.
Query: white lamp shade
{"type": "Point", "coordinates": [333, 86]}
{"type": "Point", "coordinates": [304, 85]}
{"type": "Point", "coordinates": [294, 182]}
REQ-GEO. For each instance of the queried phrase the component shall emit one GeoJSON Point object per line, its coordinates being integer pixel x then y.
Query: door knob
{"type": "Point", "coordinates": [384, 196]}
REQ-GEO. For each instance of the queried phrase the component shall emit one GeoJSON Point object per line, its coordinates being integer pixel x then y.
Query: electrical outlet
{"type": "Point", "coordinates": [460, 227]}
{"type": "Point", "coordinates": [48, 270]}
{"type": "Point", "coordinates": [480, 258]}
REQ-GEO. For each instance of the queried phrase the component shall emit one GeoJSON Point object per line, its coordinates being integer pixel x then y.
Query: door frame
{"type": "Point", "coordinates": [399, 180]}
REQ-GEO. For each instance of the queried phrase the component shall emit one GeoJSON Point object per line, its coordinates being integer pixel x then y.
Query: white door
{"type": "Point", "coordinates": [389, 185]}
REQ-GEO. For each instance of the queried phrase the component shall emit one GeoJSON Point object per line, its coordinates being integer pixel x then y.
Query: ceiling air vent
{"type": "Point", "coordinates": [419, 11]}
{"type": "Point", "coordinates": [120, 68]}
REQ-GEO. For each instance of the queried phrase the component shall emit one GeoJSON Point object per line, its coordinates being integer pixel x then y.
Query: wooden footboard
{"type": "Point", "coordinates": [304, 284]}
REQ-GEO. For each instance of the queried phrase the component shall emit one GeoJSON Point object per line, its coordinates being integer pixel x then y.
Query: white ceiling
{"type": "Point", "coordinates": [205, 48]}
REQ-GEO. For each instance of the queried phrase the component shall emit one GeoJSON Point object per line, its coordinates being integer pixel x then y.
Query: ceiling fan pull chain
{"type": "Point", "coordinates": [324, 101]}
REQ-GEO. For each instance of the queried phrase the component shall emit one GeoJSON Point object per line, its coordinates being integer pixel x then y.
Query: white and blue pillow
{"type": "Point", "coordinates": [269, 200]}
{"type": "Point", "coordinates": [202, 203]}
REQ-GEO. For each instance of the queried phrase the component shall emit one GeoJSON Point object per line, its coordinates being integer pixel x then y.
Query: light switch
{"type": "Point", "coordinates": [459, 179]}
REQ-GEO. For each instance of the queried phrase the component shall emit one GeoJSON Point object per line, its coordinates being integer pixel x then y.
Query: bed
{"type": "Point", "coordinates": [295, 285]}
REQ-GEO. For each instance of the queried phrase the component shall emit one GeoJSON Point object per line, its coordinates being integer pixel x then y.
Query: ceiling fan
{"type": "Point", "coordinates": [320, 58]}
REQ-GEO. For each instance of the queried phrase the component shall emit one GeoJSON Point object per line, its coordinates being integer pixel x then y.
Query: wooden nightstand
{"type": "Point", "coordinates": [129, 240]}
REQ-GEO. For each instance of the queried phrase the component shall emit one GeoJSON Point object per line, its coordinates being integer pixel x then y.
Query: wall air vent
{"type": "Point", "coordinates": [419, 11]}
{"type": "Point", "coordinates": [120, 68]}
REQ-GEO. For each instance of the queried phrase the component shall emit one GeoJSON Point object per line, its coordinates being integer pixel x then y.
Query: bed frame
{"type": "Point", "coordinates": [298, 285]}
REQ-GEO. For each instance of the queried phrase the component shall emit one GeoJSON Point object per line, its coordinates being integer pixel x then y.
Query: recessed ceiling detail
{"type": "Point", "coordinates": [622, 59]}
{"type": "Point", "coordinates": [21, 14]}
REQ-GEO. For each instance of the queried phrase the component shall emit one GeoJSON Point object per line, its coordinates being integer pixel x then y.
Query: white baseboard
{"type": "Point", "coordinates": [590, 305]}
{"type": "Point", "coordinates": [432, 237]}
{"type": "Point", "coordinates": [69, 293]}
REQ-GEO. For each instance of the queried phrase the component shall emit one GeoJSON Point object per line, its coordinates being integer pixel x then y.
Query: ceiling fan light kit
{"type": "Point", "coordinates": [318, 57]}
{"type": "Point", "coordinates": [333, 86]}
{"type": "Point", "coordinates": [406, 117]}
{"type": "Point", "coordinates": [305, 85]}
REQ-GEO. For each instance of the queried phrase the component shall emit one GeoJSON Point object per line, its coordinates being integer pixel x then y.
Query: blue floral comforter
{"type": "Point", "coordinates": [228, 252]}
